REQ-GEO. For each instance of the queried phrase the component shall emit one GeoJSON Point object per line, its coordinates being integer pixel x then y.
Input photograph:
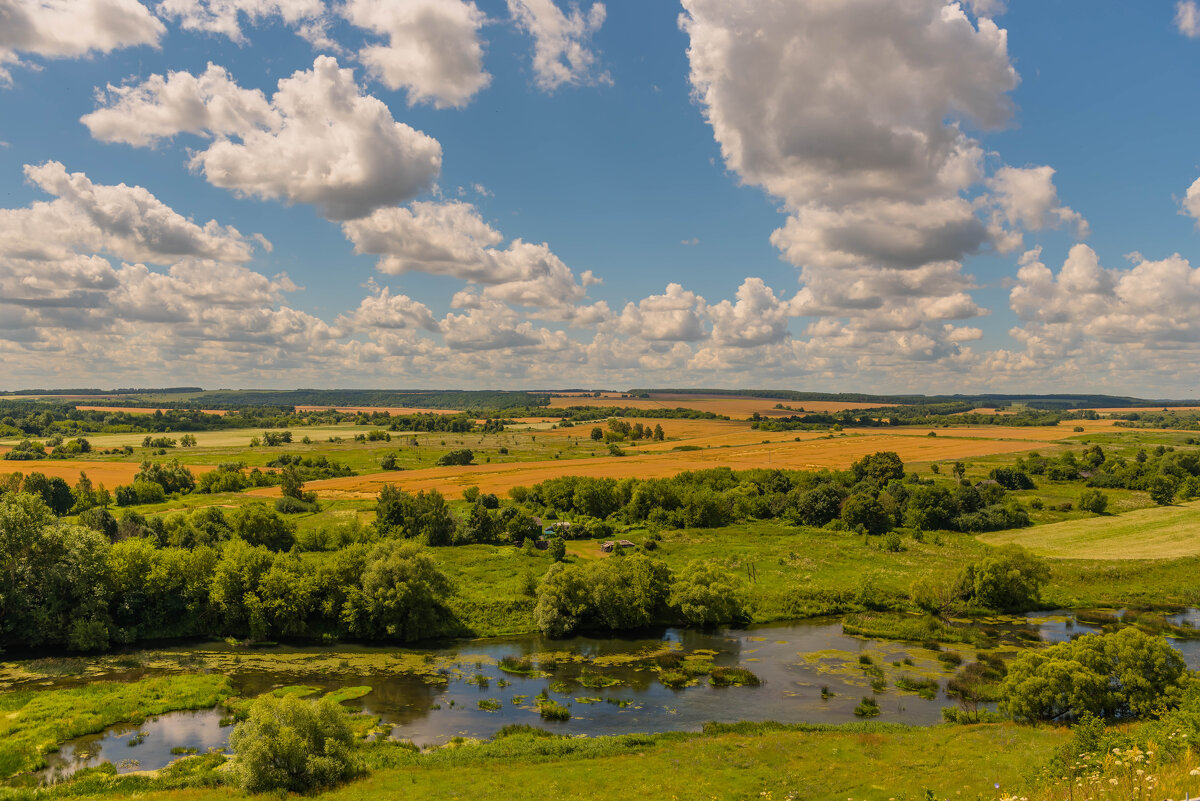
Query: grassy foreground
{"type": "Point", "coordinates": [863, 761]}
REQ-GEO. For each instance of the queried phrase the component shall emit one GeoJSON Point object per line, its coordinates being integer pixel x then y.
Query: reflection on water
{"type": "Point", "coordinates": [810, 673]}
{"type": "Point", "coordinates": [141, 747]}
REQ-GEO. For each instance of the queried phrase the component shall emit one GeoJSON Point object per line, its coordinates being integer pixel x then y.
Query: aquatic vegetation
{"type": "Point", "coordinates": [552, 710]}
{"type": "Point", "coordinates": [733, 677]}
{"type": "Point", "coordinates": [490, 704]}
{"type": "Point", "coordinates": [926, 688]}
{"type": "Point", "coordinates": [868, 707]}
{"type": "Point", "coordinates": [597, 681]}
{"type": "Point", "coordinates": [33, 722]}
{"type": "Point", "coordinates": [674, 678]}
{"type": "Point", "coordinates": [520, 665]}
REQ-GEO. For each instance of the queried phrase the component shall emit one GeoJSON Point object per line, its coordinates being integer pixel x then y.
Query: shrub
{"type": "Point", "coordinates": [459, 457]}
{"type": "Point", "coordinates": [287, 505]}
{"type": "Point", "coordinates": [733, 677]}
{"type": "Point", "coordinates": [291, 745]}
{"type": "Point", "coordinates": [1093, 500]}
{"type": "Point", "coordinates": [1011, 580]}
{"type": "Point", "coordinates": [707, 594]}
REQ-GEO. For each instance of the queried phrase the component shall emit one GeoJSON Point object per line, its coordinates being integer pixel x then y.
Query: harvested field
{"type": "Point", "coordinates": [140, 410]}
{"type": "Point", "coordinates": [390, 410]}
{"type": "Point", "coordinates": [1029, 433]}
{"type": "Point", "coordinates": [817, 452]}
{"type": "Point", "coordinates": [110, 474]}
{"type": "Point", "coordinates": [1161, 532]}
{"type": "Point", "coordinates": [731, 405]}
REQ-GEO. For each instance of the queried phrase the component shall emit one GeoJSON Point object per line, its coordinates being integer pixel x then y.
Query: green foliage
{"type": "Point", "coordinates": [1009, 580]}
{"type": "Point", "coordinates": [1094, 501]}
{"type": "Point", "coordinates": [458, 457]}
{"type": "Point", "coordinates": [613, 594]}
{"type": "Point", "coordinates": [709, 594]}
{"type": "Point", "coordinates": [879, 467]}
{"type": "Point", "coordinates": [425, 516]}
{"type": "Point", "coordinates": [292, 745]}
{"type": "Point", "coordinates": [865, 512]}
{"type": "Point", "coordinates": [401, 594]}
{"type": "Point", "coordinates": [1123, 674]}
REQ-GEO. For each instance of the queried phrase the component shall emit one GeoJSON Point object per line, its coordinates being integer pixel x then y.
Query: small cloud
{"type": "Point", "coordinates": [481, 190]}
{"type": "Point", "coordinates": [4, 144]}
{"type": "Point", "coordinates": [689, 242]}
{"type": "Point", "coordinates": [1187, 18]}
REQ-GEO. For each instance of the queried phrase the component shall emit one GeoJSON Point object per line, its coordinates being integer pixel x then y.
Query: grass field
{"type": "Point", "coordinates": [1160, 532]}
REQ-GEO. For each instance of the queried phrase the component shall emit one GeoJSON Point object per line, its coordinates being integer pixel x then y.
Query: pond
{"type": "Point", "coordinates": [810, 672]}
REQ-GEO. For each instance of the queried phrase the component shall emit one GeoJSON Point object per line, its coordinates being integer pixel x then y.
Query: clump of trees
{"type": "Point", "coordinates": [1163, 472]}
{"type": "Point", "coordinates": [1124, 674]}
{"type": "Point", "coordinates": [290, 745]}
{"type": "Point", "coordinates": [636, 591]}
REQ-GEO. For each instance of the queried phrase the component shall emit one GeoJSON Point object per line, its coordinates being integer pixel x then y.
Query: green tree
{"type": "Point", "coordinates": [1162, 488]}
{"type": "Point", "coordinates": [558, 549]}
{"type": "Point", "coordinates": [597, 433]}
{"type": "Point", "coordinates": [1123, 674]}
{"type": "Point", "coordinates": [259, 525]}
{"type": "Point", "coordinates": [289, 744]}
{"type": "Point", "coordinates": [1093, 500]}
{"type": "Point", "coordinates": [879, 467]}
{"type": "Point", "coordinates": [863, 510]}
{"type": "Point", "coordinates": [1009, 580]}
{"type": "Point", "coordinates": [708, 594]}
{"type": "Point", "coordinates": [401, 594]}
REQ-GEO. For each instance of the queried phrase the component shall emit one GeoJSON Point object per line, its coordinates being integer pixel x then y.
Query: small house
{"type": "Point", "coordinates": [607, 547]}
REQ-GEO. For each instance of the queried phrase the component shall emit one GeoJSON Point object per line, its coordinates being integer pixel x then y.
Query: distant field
{"type": "Point", "coordinates": [1162, 532]}
{"type": "Point", "coordinates": [136, 410]}
{"type": "Point", "coordinates": [392, 410]}
{"type": "Point", "coordinates": [110, 474]}
{"type": "Point", "coordinates": [731, 405]}
{"type": "Point", "coordinates": [813, 452]}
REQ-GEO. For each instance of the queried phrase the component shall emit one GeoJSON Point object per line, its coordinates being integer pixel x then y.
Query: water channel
{"type": "Point", "coordinates": [810, 672]}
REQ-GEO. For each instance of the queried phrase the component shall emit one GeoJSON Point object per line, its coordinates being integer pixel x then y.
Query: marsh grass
{"type": "Point", "coordinates": [34, 722]}
{"type": "Point", "coordinates": [733, 677]}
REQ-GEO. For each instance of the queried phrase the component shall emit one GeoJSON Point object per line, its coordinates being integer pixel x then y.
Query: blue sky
{"type": "Point", "coordinates": [888, 195]}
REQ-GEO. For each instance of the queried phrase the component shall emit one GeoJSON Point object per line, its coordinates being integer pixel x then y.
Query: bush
{"type": "Point", "coordinates": [1093, 500]}
{"type": "Point", "coordinates": [292, 745]}
{"type": "Point", "coordinates": [707, 594]}
{"type": "Point", "coordinates": [459, 457]}
{"type": "Point", "coordinates": [287, 505]}
{"type": "Point", "coordinates": [1011, 580]}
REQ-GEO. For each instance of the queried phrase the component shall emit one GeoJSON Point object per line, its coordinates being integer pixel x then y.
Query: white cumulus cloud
{"type": "Point", "coordinates": [561, 41]}
{"type": "Point", "coordinates": [433, 49]}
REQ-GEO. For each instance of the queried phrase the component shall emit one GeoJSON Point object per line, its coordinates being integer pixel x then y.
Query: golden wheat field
{"type": "Point", "coordinates": [110, 474]}
{"type": "Point", "coordinates": [812, 452]}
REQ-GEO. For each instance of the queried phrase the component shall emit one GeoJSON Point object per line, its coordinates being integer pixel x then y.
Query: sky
{"type": "Point", "coordinates": [825, 195]}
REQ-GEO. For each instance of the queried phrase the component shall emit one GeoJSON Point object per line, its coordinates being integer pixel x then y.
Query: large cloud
{"type": "Point", "coordinates": [561, 54]}
{"type": "Point", "coordinates": [452, 239]}
{"type": "Point", "coordinates": [433, 50]}
{"type": "Point", "coordinates": [854, 115]}
{"type": "Point", "coordinates": [318, 141]}
{"type": "Point", "coordinates": [207, 104]}
{"type": "Point", "coordinates": [72, 28]}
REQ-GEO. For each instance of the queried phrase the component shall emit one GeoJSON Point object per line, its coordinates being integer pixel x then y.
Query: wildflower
{"type": "Point", "coordinates": [1195, 772]}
